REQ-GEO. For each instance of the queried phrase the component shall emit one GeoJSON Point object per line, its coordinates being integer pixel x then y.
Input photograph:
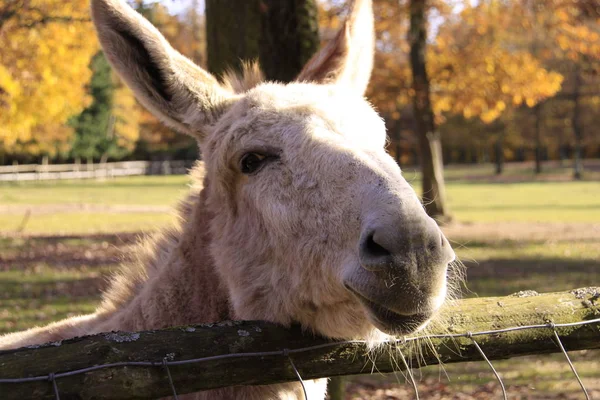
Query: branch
{"type": "Point", "coordinates": [314, 357]}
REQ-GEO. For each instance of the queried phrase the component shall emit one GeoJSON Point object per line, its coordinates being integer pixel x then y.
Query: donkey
{"type": "Point", "coordinates": [298, 216]}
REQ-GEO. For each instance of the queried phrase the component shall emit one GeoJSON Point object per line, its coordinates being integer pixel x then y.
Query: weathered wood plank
{"type": "Point", "coordinates": [326, 359]}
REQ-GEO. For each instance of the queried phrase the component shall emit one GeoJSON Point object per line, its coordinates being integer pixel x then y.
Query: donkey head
{"type": "Point", "coordinates": [313, 221]}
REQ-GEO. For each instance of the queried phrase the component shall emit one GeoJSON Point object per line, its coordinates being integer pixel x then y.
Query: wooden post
{"type": "Point", "coordinates": [314, 357]}
{"type": "Point", "coordinates": [336, 388]}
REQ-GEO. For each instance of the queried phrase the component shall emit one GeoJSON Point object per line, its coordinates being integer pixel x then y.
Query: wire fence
{"type": "Point", "coordinates": [288, 354]}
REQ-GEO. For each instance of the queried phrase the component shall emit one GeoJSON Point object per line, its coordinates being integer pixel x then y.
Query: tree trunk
{"type": "Point", "coordinates": [499, 153]}
{"type": "Point", "coordinates": [538, 138]}
{"type": "Point", "coordinates": [432, 167]}
{"type": "Point", "coordinates": [232, 34]}
{"type": "Point", "coordinates": [281, 34]}
{"type": "Point", "coordinates": [290, 36]}
{"type": "Point", "coordinates": [577, 127]}
{"type": "Point", "coordinates": [114, 374]}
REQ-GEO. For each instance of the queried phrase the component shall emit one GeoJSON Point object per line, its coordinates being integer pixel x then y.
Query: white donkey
{"type": "Point", "coordinates": [299, 215]}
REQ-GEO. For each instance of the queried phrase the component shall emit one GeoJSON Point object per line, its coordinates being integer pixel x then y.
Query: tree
{"type": "Point", "coordinates": [282, 35]}
{"type": "Point", "coordinates": [108, 127]}
{"type": "Point", "coordinates": [46, 49]}
{"type": "Point", "coordinates": [92, 125]}
{"type": "Point", "coordinates": [432, 168]}
{"type": "Point", "coordinates": [475, 67]}
{"type": "Point", "coordinates": [561, 32]}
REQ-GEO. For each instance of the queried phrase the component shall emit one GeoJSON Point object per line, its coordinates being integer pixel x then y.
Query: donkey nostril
{"type": "Point", "coordinates": [433, 246]}
{"type": "Point", "coordinates": [374, 249]}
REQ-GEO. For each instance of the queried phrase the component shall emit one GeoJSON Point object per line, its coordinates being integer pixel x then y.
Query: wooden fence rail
{"type": "Point", "coordinates": [34, 172]}
{"type": "Point", "coordinates": [251, 353]}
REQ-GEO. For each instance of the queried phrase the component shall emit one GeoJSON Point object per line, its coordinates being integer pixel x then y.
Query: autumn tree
{"type": "Point", "coordinates": [571, 32]}
{"type": "Point", "coordinates": [44, 44]}
{"type": "Point", "coordinates": [496, 67]}
{"type": "Point", "coordinates": [93, 123]}
{"type": "Point", "coordinates": [544, 35]}
{"type": "Point", "coordinates": [477, 68]}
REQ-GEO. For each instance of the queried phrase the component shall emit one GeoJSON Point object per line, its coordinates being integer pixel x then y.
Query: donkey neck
{"type": "Point", "coordinates": [185, 270]}
{"type": "Point", "coordinates": [182, 287]}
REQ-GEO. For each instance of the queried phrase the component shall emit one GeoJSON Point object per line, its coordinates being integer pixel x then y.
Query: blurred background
{"type": "Point", "coordinates": [492, 109]}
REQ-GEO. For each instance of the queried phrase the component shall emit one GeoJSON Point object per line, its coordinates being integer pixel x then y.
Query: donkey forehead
{"type": "Point", "coordinates": [275, 114]}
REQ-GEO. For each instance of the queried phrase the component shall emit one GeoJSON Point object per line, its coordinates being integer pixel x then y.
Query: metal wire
{"type": "Point", "coordinates": [52, 379]}
{"type": "Point", "coordinates": [166, 365]}
{"type": "Point", "coordinates": [559, 342]}
{"type": "Point", "coordinates": [496, 374]}
{"type": "Point", "coordinates": [288, 352]}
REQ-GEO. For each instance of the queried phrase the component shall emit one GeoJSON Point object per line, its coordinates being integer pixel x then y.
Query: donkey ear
{"type": "Point", "coordinates": [172, 87]}
{"type": "Point", "coordinates": [348, 58]}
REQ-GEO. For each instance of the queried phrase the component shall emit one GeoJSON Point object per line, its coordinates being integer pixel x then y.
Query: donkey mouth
{"type": "Point", "coordinates": [389, 321]}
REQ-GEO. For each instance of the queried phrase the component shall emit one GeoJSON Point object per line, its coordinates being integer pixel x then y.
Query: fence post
{"type": "Point", "coordinates": [16, 165]}
{"type": "Point", "coordinates": [77, 167]}
{"type": "Point", "coordinates": [166, 167]}
{"type": "Point", "coordinates": [45, 163]}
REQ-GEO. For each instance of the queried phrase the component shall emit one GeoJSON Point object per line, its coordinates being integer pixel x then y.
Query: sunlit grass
{"type": "Point", "coordinates": [468, 202]}
{"type": "Point", "coordinates": [527, 202]}
{"type": "Point", "coordinates": [85, 222]}
{"type": "Point", "coordinates": [143, 190]}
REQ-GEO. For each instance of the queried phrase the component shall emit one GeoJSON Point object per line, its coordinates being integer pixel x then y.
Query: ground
{"type": "Point", "coordinates": [59, 241]}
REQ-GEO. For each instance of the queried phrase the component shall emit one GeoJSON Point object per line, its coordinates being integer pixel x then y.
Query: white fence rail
{"type": "Point", "coordinates": [35, 172]}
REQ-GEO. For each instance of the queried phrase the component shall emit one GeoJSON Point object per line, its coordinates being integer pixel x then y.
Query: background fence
{"type": "Point", "coordinates": [184, 360]}
{"type": "Point", "coordinates": [33, 172]}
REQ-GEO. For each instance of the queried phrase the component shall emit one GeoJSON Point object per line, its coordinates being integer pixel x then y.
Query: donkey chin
{"type": "Point", "coordinates": [398, 307]}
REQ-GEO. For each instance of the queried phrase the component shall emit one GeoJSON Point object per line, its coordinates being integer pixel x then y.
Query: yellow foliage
{"type": "Point", "coordinates": [45, 50]}
{"type": "Point", "coordinates": [126, 113]}
{"type": "Point", "coordinates": [475, 68]}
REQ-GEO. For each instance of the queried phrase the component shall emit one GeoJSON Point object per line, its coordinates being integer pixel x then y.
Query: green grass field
{"type": "Point", "coordinates": [137, 190]}
{"type": "Point", "coordinates": [542, 235]}
{"type": "Point", "coordinates": [143, 203]}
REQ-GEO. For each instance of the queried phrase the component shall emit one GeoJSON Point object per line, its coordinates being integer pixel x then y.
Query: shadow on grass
{"type": "Point", "coordinates": [60, 253]}
{"type": "Point", "coordinates": [502, 276]}
{"type": "Point", "coordinates": [48, 290]}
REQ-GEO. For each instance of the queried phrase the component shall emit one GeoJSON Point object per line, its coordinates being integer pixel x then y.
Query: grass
{"type": "Point", "coordinates": [60, 207]}
{"type": "Point", "coordinates": [86, 222]}
{"type": "Point", "coordinates": [35, 296]}
{"type": "Point", "coordinates": [47, 278]}
{"type": "Point", "coordinates": [526, 202]}
{"type": "Point", "coordinates": [522, 265]}
{"type": "Point", "coordinates": [90, 206]}
{"type": "Point", "coordinates": [138, 190]}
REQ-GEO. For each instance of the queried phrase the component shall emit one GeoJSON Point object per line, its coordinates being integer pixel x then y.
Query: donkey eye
{"type": "Point", "coordinates": [251, 162]}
